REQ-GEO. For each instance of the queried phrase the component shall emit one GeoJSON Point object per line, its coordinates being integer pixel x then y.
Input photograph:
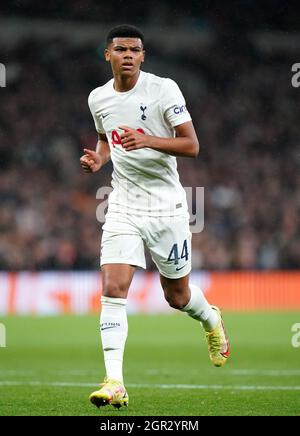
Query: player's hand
{"type": "Point", "coordinates": [132, 139]}
{"type": "Point", "coordinates": [90, 161]}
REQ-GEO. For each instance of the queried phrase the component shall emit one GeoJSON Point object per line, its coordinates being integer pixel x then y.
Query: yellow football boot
{"type": "Point", "coordinates": [218, 344]}
{"type": "Point", "coordinates": [111, 392]}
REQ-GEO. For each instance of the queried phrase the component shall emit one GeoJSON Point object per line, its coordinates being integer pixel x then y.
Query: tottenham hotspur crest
{"type": "Point", "coordinates": [143, 116]}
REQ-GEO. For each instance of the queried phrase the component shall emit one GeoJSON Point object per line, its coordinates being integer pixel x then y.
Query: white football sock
{"type": "Point", "coordinates": [114, 330]}
{"type": "Point", "coordinates": [199, 309]}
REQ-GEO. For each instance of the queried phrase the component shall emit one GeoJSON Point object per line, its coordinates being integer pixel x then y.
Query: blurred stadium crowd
{"type": "Point", "coordinates": [240, 14]}
{"type": "Point", "coordinates": [245, 113]}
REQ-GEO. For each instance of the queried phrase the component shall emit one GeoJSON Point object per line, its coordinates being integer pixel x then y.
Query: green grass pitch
{"type": "Point", "coordinates": [51, 365]}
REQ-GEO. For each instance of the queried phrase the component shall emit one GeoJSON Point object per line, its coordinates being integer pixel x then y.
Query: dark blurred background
{"type": "Point", "coordinates": [232, 61]}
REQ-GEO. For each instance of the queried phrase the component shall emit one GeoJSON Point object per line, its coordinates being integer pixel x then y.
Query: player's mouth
{"type": "Point", "coordinates": [127, 66]}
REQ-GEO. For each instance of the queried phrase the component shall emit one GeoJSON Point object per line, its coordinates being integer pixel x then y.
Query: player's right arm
{"type": "Point", "coordinates": [93, 161]}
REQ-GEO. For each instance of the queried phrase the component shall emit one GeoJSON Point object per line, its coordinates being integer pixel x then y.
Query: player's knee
{"type": "Point", "coordinates": [177, 300]}
{"type": "Point", "coordinates": [115, 289]}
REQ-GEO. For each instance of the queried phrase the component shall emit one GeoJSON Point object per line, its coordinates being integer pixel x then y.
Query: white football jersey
{"type": "Point", "coordinates": [144, 181]}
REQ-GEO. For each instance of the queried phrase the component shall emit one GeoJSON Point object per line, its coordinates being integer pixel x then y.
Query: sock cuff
{"type": "Point", "coordinates": [194, 291]}
{"type": "Point", "coordinates": [113, 301]}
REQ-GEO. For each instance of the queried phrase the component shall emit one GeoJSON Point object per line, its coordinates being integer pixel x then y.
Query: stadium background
{"type": "Point", "coordinates": [233, 64]}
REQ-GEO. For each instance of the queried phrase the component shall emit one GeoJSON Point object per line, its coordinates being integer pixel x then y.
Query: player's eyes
{"type": "Point", "coordinates": [124, 49]}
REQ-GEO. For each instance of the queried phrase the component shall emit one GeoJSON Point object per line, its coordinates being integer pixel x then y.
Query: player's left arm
{"type": "Point", "coordinates": [184, 144]}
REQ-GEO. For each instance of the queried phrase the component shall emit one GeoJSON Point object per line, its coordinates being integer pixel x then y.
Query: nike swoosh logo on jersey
{"type": "Point", "coordinates": [110, 327]}
{"type": "Point", "coordinates": [178, 269]}
{"type": "Point", "coordinates": [104, 115]}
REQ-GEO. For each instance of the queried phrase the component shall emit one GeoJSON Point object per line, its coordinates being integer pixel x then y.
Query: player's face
{"type": "Point", "coordinates": [125, 55]}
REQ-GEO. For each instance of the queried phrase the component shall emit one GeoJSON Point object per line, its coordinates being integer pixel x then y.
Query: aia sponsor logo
{"type": "Point", "coordinates": [116, 138]}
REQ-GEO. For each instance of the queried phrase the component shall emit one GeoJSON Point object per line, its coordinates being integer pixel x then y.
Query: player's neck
{"type": "Point", "coordinates": [125, 83]}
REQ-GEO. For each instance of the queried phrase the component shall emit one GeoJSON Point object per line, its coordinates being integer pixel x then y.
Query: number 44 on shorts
{"type": "Point", "coordinates": [173, 256]}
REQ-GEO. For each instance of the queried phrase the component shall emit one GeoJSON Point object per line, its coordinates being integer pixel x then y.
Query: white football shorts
{"type": "Point", "coordinates": [167, 238]}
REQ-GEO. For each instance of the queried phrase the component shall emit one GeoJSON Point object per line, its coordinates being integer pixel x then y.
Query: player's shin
{"type": "Point", "coordinates": [114, 330]}
{"type": "Point", "coordinates": [199, 309]}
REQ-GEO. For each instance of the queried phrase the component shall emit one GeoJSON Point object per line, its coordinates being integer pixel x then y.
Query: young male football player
{"type": "Point", "coordinates": [143, 124]}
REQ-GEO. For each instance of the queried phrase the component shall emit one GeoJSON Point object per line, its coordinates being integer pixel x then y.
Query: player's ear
{"type": "Point", "coordinates": [143, 58]}
{"type": "Point", "coordinates": [107, 55]}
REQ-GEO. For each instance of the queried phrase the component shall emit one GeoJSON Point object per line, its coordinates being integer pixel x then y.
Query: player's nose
{"type": "Point", "coordinates": [127, 54]}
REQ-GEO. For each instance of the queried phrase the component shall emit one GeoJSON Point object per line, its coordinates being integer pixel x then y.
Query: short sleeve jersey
{"type": "Point", "coordinates": [144, 181]}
